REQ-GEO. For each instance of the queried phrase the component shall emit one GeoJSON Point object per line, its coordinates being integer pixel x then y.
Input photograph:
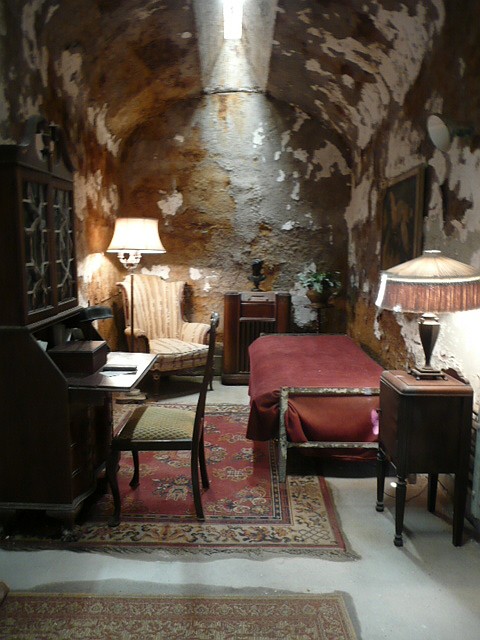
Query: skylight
{"type": "Point", "coordinates": [232, 19]}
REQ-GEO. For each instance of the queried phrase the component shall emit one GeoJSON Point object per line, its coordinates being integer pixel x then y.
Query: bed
{"type": "Point", "coordinates": [313, 391]}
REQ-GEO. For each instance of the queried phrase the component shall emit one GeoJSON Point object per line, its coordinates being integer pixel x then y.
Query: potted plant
{"type": "Point", "coordinates": [320, 285]}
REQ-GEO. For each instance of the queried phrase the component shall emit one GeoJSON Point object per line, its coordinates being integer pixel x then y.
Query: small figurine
{"type": "Point", "coordinates": [257, 276]}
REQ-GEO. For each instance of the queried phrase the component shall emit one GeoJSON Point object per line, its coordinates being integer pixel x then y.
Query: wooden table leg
{"type": "Point", "coordinates": [432, 491]}
{"type": "Point", "coordinates": [381, 473]}
{"type": "Point", "coordinates": [400, 495]}
{"type": "Point", "coordinates": [459, 505]}
{"type": "Point", "coordinates": [111, 468]}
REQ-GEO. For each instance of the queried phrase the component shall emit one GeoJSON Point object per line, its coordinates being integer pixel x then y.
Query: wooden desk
{"type": "Point", "coordinates": [425, 427]}
{"type": "Point", "coordinates": [115, 381]}
{"type": "Point", "coordinates": [55, 431]}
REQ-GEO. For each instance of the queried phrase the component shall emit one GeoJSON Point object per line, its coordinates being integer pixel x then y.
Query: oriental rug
{"type": "Point", "coordinates": [247, 509]}
{"type": "Point", "coordinates": [24, 616]}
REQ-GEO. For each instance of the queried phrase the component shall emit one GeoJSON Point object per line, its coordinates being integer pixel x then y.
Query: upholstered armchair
{"type": "Point", "coordinates": [159, 326]}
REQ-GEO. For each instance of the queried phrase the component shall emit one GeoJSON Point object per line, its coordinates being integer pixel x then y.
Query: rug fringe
{"type": "Point", "coordinates": [339, 555]}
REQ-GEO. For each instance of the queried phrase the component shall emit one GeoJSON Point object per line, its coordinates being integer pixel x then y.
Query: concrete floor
{"type": "Point", "coordinates": [427, 590]}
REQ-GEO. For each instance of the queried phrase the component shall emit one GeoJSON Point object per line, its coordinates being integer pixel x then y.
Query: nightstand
{"type": "Point", "coordinates": [425, 427]}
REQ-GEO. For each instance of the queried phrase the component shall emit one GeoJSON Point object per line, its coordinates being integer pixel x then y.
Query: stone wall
{"type": "Point", "coordinates": [233, 178]}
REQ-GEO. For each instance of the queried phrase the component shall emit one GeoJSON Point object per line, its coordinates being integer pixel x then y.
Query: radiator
{"type": "Point", "coordinates": [249, 330]}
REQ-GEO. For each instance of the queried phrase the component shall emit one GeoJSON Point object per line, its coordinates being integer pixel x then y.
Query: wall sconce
{"type": "Point", "coordinates": [429, 284]}
{"type": "Point", "coordinates": [133, 237]}
{"type": "Point", "coordinates": [441, 131]}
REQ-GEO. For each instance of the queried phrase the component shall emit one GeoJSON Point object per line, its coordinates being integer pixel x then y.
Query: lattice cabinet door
{"type": "Point", "coordinates": [38, 279]}
{"type": "Point", "coordinates": [36, 244]}
{"type": "Point", "coordinates": [63, 230]}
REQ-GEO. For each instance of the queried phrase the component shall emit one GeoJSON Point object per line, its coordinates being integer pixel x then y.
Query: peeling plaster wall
{"type": "Point", "coordinates": [209, 21]}
{"type": "Point", "coordinates": [259, 20]}
{"type": "Point", "coordinates": [237, 177]}
{"type": "Point", "coordinates": [231, 177]}
{"type": "Point", "coordinates": [352, 61]}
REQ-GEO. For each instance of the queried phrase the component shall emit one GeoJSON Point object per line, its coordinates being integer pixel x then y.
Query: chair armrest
{"type": "Point", "coordinates": [195, 332]}
{"type": "Point", "coordinates": [141, 343]}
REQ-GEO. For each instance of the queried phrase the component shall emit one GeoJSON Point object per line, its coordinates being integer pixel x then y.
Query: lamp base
{"type": "Point", "coordinates": [427, 373]}
{"type": "Point", "coordinates": [429, 328]}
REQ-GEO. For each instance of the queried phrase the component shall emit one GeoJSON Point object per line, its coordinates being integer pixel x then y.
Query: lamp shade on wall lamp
{"type": "Point", "coordinates": [429, 284]}
{"type": "Point", "coordinates": [441, 131]}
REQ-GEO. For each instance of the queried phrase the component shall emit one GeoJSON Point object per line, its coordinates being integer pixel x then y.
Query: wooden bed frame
{"type": "Point", "coordinates": [285, 367]}
{"type": "Point", "coordinates": [284, 444]}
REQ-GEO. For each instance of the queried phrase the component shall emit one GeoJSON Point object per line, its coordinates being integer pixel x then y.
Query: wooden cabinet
{"type": "Point", "coordinates": [55, 430]}
{"type": "Point", "coordinates": [246, 316]}
{"type": "Point", "coordinates": [38, 278]}
{"type": "Point", "coordinates": [425, 427]}
{"type": "Point", "coordinates": [53, 439]}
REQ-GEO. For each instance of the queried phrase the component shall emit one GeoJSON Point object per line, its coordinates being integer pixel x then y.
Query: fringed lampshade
{"type": "Point", "coordinates": [429, 284]}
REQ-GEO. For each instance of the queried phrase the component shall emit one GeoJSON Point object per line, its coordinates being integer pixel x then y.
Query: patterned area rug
{"type": "Point", "coordinates": [72, 617]}
{"type": "Point", "coordinates": [248, 511]}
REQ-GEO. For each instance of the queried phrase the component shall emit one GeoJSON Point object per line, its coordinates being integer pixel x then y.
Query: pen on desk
{"type": "Point", "coordinates": [127, 368]}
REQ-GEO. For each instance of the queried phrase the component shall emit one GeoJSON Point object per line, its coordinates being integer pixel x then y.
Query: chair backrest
{"type": "Point", "coordinates": [207, 376]}
{"type": "Point", "coordinates": [158, 305]}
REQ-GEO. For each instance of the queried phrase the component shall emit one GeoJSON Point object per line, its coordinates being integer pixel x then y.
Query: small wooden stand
{"type": "Point", "coordinates": [320, 308]}
{"type": "Point", "coordinates": [425, 427]}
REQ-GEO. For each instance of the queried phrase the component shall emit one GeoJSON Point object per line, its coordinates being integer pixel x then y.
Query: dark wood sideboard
{"type": "Point", "coordinates": [247, 315]}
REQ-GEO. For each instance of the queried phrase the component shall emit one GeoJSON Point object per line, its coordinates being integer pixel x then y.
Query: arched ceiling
{"type": "Point", "coordinates": [348, 62]}
{"type": "Point", "coordinates": [345, 62]}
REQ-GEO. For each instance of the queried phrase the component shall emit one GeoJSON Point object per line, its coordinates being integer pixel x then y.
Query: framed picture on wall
{"type": "Point", "coordinates": [402, 218]}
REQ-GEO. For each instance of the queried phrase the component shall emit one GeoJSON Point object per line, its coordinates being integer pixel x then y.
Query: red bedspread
{"type": "Point", "coordinates": [311, 361]}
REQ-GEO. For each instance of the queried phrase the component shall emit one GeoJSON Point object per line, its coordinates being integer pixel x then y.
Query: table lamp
{"type": "Point", "coordinates": [429, 284]}
{"type": "Point", "coordinates": [132, 238]}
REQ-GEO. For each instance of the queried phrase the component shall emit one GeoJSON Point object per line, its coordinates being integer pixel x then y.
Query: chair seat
{"type": "Point", "coordinates": [156, 424]}
{"type": "Point", "coordinates": [174, 354]}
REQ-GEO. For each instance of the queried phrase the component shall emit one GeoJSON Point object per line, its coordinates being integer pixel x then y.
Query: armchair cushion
{"type": "Point", "coordinates": [174, 355]}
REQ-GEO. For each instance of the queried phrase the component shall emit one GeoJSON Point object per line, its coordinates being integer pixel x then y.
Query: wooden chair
{"type": "Point", "coordinates": [157, 428]}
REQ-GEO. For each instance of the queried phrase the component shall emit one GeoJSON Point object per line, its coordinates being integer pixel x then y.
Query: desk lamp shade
{"type": "Point", "coordinates": [429, 284]}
